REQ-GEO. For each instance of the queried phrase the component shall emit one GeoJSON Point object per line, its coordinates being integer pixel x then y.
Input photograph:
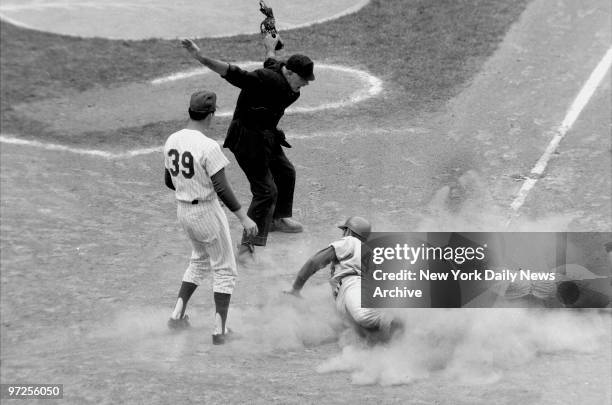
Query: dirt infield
{"type": "Point", "coordinates": [133, 19]}
{"type": "Point", "coordinates": [92, 255]}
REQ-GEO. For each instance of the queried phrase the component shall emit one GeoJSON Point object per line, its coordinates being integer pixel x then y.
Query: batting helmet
{"type": "Point", "coordinates": [359, 226]}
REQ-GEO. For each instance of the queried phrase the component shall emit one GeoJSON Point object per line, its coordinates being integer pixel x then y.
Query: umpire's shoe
{"type": "Point", "coordinates": [286, 225]}
{"type": "Point", "coordinates": [179, 324]}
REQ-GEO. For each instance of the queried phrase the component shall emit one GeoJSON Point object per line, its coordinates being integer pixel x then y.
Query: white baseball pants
{"type": "Point", "coordinates": [348, 304]}
{"type": "Point", "coordinates": [206, 226]}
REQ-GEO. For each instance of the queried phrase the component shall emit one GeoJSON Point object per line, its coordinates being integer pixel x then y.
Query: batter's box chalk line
{"type": "Point", "coordinates": [372, 85]}
{"type": "Point", "coordinates": [371, 88]}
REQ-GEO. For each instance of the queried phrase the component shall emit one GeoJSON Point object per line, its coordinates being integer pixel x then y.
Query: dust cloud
{"type": "Point", "coordinates": [261, 316]}
{"type": "Point", "coordinates": [472, 346]}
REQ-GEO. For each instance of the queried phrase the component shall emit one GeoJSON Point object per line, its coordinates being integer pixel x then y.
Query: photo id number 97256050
{"type": "Point", "coordinates": [32, 391]}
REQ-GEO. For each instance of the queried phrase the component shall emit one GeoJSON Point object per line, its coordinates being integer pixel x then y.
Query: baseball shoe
{"type": "Point", "coordinates": [382, 335]}
{"type": "Point", "coordinates": [179, 324]}
{"type": "Point", "coordinates": [222, 338]}
{"type": "Point", "coordinates": [286, 225]}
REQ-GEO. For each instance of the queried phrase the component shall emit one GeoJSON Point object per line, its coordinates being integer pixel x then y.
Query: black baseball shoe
{"type": "Point", "coordinates": [222, 338]}
{"type": "Point", "coordinates": [286, 225]}
{"type": "Point", "coordinates": [179, 324]}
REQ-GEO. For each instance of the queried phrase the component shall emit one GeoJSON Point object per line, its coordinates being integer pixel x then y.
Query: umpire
{"type": "Point", "coordinates": [256, 141]}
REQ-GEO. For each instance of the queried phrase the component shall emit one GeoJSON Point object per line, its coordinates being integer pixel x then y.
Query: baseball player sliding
{"type": "Point", "coordinates": [344, 255]}
{"type": "Point", "coordinates": [194, 169]}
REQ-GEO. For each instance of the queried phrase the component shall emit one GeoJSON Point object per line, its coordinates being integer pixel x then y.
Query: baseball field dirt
{"type": "Point", "coordinates": [471, 94]}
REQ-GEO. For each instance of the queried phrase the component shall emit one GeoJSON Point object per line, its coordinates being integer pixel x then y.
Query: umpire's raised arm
{"type": "Point", "coordinates": [216, 66]}
{"type": "Point", "coordinates": [231, 73]}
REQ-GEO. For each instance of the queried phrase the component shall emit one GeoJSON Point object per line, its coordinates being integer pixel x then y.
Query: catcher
{"type": "Point", "coordinates": [344, 255]}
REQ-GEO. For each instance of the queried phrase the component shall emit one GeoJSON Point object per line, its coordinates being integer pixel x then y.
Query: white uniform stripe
{"type": "Point", "coordinates": [191, 157]}
{"type": "Point", "coordinates": [206, 225]}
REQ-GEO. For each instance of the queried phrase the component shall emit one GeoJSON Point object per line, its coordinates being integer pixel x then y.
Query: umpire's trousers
{"type": "Point", "coordinates": [272, 179]}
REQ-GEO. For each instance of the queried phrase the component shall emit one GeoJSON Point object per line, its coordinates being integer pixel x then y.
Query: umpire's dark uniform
{"type": "Point", "coordinates": [257, 143]}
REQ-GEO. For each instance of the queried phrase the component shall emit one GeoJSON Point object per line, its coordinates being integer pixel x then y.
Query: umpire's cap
{"type": "Point", "coordinates": [203, 102]}
{"type": "Point", "coordinates": [359, 226]}
{"type": "Point", "coordinates": [302, 65]}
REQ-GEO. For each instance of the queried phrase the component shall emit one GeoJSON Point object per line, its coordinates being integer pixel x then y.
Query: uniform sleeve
{"type": "Point", "coordinates": [224, 191]}
{"type": "Point", "coordinates": [312, 265]}
{"type": "Point", "coordinates": [241, 78]}
{"type": "Point", "coordinates": [344, 248]}
{"type": "Point", "coordinates": [215, 160]}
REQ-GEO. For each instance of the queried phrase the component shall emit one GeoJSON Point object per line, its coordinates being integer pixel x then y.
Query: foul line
{"type": "Point", "coordinates": [92, 152]}
{"type": "Point", "coordinates": [14, 140]}
{"type": "Point", "coordinates": [574, 111]}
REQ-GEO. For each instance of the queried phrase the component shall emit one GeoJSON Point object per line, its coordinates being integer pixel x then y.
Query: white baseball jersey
{"type": "Point", "coordinates": [191, 158]}
{"type": "Point", "coordinates": [348, 253]}
{"type": "Point", "coordinates": [347, 270]}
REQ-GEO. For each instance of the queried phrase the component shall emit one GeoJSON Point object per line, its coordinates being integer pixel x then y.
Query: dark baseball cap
{"type": "Point", "coordinates": [203, 102]}
{"type": "Point", "coordinates": [302, 65]}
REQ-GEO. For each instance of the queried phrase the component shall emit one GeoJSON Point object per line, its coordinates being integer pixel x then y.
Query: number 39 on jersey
{"type": "Point", "coordinates": [181, 163]}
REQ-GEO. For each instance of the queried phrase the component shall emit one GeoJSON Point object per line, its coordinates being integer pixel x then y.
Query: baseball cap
{"type": "Point", "coordinates": [203, 102]}
{"type": "Point", "coordinates": [302, 65]}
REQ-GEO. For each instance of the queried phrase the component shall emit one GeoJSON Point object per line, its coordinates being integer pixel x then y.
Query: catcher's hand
{"type": "Point", "coordinates": [268, 25]}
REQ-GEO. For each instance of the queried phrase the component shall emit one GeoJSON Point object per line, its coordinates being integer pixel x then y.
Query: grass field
{"type": "Point", "coordinates": [426, 50]}
{"type": "Point", "coordinates": [91, 253]}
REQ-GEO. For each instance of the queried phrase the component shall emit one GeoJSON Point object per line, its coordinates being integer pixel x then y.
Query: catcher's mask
{"type": "Point", "coordinates": [360, 227]}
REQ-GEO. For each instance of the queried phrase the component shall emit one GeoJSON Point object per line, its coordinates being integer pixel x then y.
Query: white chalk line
{"type": "Point", "coordinates": [581, 100]}
{"type": "Point", "coordinates": [374, 86]}
{"type": "Point", "coordinates": [14, 140]}
{"type": "Point", "coordinates": [15, 22]}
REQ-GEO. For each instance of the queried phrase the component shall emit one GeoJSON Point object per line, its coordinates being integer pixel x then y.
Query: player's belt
{"type": "Point", "coordinates": [200, 201]}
